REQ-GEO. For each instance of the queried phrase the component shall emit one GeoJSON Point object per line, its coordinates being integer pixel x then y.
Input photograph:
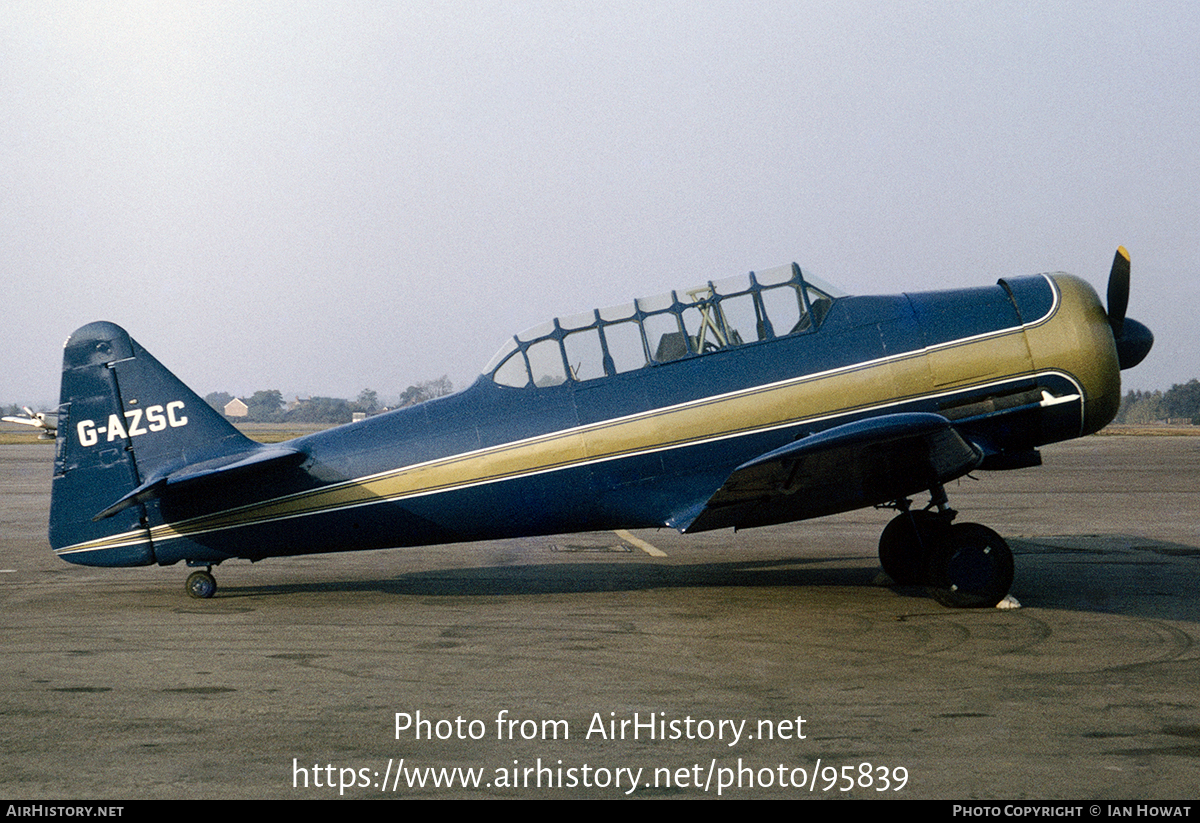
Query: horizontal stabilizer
{"type": "Point", "coordinates": [847, 467]}
{"type": "Point", "coordinates": [227, 466]}
{"type": "Point", "coordinates": [222, 467]}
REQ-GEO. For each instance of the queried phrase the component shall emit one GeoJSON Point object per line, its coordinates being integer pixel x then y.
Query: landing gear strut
{"type": "Point", "coordinates": [201, 584]}
{"type": "Point", "coordinates": [964, 565]}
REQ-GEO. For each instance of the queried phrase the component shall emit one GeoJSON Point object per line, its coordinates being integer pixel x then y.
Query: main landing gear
{"type": "Point", "coordinates": [964, 565]}
{"type": "Point", "coordinates": [201, 584]}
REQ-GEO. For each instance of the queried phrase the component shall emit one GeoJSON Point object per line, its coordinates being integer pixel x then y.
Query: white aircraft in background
{"type": "Point", "coordinates": [46, 421]}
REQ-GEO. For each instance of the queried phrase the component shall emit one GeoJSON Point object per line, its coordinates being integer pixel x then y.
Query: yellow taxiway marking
{"type": "Point", "coordinates": [639, 543]}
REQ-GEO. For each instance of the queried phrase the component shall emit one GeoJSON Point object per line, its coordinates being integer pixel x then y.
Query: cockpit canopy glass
{"type": "Point", "coordinates": [735, 311]}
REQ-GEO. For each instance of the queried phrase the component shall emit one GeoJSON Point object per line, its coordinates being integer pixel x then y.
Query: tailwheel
{"type": "Point", "coordinates": [201, 585]}
{"type": "Point", "coordinates": [973, 568]}
{"type": "Point", "coordinates": [905, 545]}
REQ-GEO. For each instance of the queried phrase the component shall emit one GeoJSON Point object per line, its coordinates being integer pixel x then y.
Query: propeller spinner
{"type": "Point", "coordinates": [1132, 338]}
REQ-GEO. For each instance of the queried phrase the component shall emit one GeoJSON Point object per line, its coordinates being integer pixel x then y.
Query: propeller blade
{"type": "Point", "coordinates": [1132, 338]}
{"type": "Point", "coordinates": [1118, 291]}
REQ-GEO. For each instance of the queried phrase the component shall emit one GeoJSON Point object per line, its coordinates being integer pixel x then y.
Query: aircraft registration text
{"type": "Point", "coordinates": [154, 419]}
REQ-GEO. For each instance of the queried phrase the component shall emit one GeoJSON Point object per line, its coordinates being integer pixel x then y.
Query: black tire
{"type": "Point", "coordinates": [201, 585]}
{"type": "Point", "coordinates": [972, 570]}
{"type": "Point", "coordinates": [904, 546]}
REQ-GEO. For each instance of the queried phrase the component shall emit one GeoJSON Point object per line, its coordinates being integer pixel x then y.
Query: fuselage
{"type": "Point", "coordinates": [1013, 366]}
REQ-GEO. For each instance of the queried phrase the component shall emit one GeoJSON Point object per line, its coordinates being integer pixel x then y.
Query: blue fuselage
{"type": "Point", "coordinates": [638, 449]}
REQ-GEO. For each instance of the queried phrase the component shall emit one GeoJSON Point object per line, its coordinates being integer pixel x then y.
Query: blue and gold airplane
{"type": "Point", "coordinates": [745, 402]}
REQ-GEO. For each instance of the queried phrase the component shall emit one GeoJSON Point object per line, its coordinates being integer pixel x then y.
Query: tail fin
{"type": "Point", "coordinates": [125, 424]}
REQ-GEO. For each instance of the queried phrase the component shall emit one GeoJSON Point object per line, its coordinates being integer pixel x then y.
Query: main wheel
{"type": "Point", "coordinates": [904, 546]}
{"type": "Point", "coordinates": [972, 569]}
{"type": "Point", "coordinates": [201, 585]}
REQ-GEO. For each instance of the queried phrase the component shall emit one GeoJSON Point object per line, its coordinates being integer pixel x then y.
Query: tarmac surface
{"type": "Point", "coordinates": [288, 683]}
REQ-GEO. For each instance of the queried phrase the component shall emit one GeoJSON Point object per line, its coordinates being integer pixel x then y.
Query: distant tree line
{"type": "Point", "coordinates": [1180, 402]}
{"type": "Point", "coordinates": [426, 390]}
{"type": "Point", "coordinates": [268, 406]}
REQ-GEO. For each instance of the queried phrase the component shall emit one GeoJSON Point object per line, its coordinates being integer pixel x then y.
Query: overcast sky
{"type": "Point", "coordinates": [323, 197]}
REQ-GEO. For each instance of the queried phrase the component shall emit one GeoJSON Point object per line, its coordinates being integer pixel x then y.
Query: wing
{"type": "Point", "coordinates": [847, 467]}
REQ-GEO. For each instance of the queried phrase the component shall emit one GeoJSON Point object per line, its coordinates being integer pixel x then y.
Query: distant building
{"type": "Point", "coordinates": [236, 408]}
